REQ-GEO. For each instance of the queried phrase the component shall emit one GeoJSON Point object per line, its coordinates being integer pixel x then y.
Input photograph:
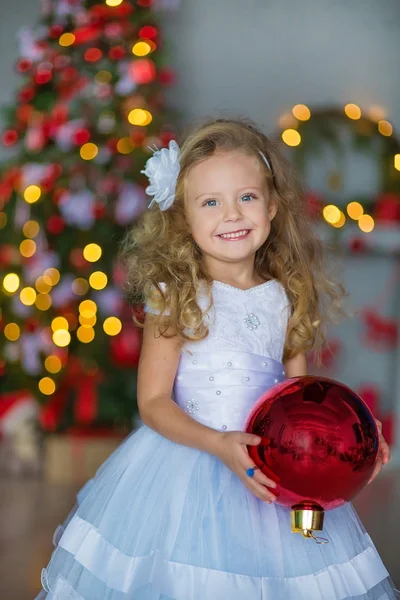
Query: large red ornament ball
{"type": "Point", "coordinates": [319, 441]}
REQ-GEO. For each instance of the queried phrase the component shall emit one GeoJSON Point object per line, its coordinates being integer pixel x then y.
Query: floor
{"type": "Point", "coordinates": [30, 511]}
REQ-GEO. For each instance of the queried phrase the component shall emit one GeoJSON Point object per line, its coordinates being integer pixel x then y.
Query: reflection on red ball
{"type": "Point", "coordinates": [319, 441]}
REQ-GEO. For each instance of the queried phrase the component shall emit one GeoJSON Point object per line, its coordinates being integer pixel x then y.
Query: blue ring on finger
{"type": "Point", "coordinates": [250, 472]}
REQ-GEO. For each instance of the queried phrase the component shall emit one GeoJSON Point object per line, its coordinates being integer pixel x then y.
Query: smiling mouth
{"type": "Point", "coordinates": [235, 235]}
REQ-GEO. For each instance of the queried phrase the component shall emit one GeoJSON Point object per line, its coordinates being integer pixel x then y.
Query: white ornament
{"type": "Point", "coordinates": [162, 170]}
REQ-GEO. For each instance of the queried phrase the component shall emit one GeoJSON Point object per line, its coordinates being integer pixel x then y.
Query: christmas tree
{"type": "Point", "coordinates": [90, 105]}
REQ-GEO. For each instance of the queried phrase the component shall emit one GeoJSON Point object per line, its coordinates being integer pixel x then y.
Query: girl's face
{"type": "Point", "coordinates": [228, 207]}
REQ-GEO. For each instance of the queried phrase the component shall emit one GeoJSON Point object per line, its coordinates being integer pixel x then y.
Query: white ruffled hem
{"type": "Point", "coordinates": [124, 573]}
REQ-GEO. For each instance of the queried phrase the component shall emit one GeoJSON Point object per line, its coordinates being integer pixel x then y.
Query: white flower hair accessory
{"type": "Point", "coordinates": [162, 170]}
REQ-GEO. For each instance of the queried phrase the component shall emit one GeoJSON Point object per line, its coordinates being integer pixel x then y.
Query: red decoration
{"type": "Point", "coordinates": [55, 31]}
{"type": "Point", "coordinates": [24, 65]}
{"type": "Point", "coordinates": [55, 224]}
{"type": "Point", "coordinates": [381, 333]}
{"type": "Point", "coordinates": [10, 137]}
{"type": "Point", "coordinates": [93, 55]}
{"type": "Point", "coordinates": [387, 208]}
{"type": "Point", "coordinates": [166, 76]}
{"type": "Point", "coordinates": [166, 137]}
{"type": "Point", "coordinates": [144, 3]}
{"type": "Point", "coordinates": [319, 441]}
{"type": "Point", "coordinates": [125, 347]}
{"type": "Point", "coordinates": [116, 53]}
{"type": "Point", "coordinates": [43, 77]}
{"type": "Point", "coordinates": [108, 12]}
{"type": "Point", "coordinates": [26, 94]}
{"type": "Point", "coordinates": [149, 32]}
{"type": "Point", "coordinates": [142, 70]}
{"type": "Point", "coordinates": [80, 137]}
{"type": "Point", "coordinates": [358, 245]}
{"type": "Point", "coordinates": [24, 113]}
{"type": "Point", "coordinates": [83, 35]}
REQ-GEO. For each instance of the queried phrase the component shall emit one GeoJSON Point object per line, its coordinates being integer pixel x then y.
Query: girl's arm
{"type": "Point", "coordinates": [158, 364]}
{"type": "Point", "coordinates": [296, 366]}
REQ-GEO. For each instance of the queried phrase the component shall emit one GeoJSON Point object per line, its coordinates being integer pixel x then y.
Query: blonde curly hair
{"type": "Point", "coordinates": [160, 247]}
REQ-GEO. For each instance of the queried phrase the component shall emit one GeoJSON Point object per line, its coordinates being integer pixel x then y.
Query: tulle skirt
{"type": "Point", "coordinates": [161, 521]}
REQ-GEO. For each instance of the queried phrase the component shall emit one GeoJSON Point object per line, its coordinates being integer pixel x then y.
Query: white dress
{"type": "Point", "coordinates": [161, 521]}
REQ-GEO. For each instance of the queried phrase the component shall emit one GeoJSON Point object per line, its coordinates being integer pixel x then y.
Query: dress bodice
{"type": "Point", "coordinates": [221, 377]}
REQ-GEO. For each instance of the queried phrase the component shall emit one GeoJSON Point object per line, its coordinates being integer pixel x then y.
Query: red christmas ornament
{"type": "Point", "coordinates": [358, 245]}
{"type": "Point", "coordinates": [144, 3]}
{"type": "Point", "coordinates": [100, 210]}
{"type": "Point", "coordinates": [166, 76]}
{"type": "Point", "coordinates": [10, 137]}
{"type": "Point", "coordinates": [26, 94]}
{"type": "Point", "coordinates": [43, 77]}
{"type": "Point", "coordinates": [55, 224]}
{"type": "Point", "coordinates": [24, 65]}
{"type": "Point", "coordinates": [142, 71]}
{"type": "Point", "coordinates": [125, 347]}
{"type": "Point", "coordinates": [387, 208]}
{"type": "Point", "coordinates": [93, 55]}
{"type": "Point", "coordinates": [319, 443]}
{"type": "Point", "coordinates": [55, 31]}
{"type": "Point", "coordinates": [24, 113]}
{"type": "Point", "coordinates": [381, 333]}
{"type": "Point", "coordinates": [83, 35]}
{"type": "Point", "coordinates": [80, 137]}
{"type": "Point", "coordinates": [117, 52]}
{"type": "Point", "coordinates": [5, 191]}
{"type": "Point", "coordinates": [166, 137]}
{"type": "Point", "coordinates": [148, 32]}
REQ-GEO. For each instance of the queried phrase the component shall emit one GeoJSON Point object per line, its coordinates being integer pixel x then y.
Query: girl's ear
{"type": "Point", "coordinates": [272, 206]}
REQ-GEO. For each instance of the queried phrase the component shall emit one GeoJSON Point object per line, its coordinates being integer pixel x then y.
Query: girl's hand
{"type": "Point", "coordinates": [231, 450]}
{"type": "Point", "coordinates": [383, 453]}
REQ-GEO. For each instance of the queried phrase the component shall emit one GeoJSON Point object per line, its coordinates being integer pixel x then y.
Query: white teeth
{"type": "Point", "coordinates": [235, 235]}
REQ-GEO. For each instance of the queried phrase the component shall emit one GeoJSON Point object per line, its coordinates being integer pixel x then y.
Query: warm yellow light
{"type": "Point", "coordinates": [376, 113]}
{"type": "Point", "coordinates": [125, 146]}
{"type": "Point", "coordinates": [397, 161]}
{"type": "Point", "coordinates": [27, 248]}
{"type": "Point", "coordinates": [92, 252]}
{"type": "Point", "coordinates": [54, 275]}
{"type": "Point", "coordinates": [340, 222]}
{"type": "Point", "coordinates": [32, 194]}
{"type": "Point", "coordinates": [301, 112]}
{"type": "Point", "coordinates": [112, 326]}
{"type": "Point", "coordinates": [114, 2]}
{"type": "Point", "coordinates": [353, 111]}
{"type": "Point", "coordinates": [43, 302]}
{"type": "Point", "coordinates": [53, 364]}
{"type": "Point", "coordinates": [12, 332]}
{"type": "Point", "coordinates": [355, 210]}
{"type": "Point", "coordinates": [140, 117]}
{"type": "Point", "coordinates": [43, 284]}
{"type": "Point", "coordinates": [3, 220]}
{"type": "Point", "coordinates": [27, 296]}
{"type": "Point", "coordinates": [87, 308]}
{"type": "Point", "coordinates": [141, 48]}
{"type": "Point", "coordinates": [89, 151]}
{"type": "Point", "coordinates": [331, 214]}
{"type": "Point", "coordinates": [59, 323]}
{"type": "Point", "coordinates": [61, 338]}
{"type": "Point", "coordinates": [385, 128]}
{"type": "Point", "coordinates": [31, 229]}
{"type": "Point", "coordinates": [85, 334]}
{"type": "Point", "coordinates": [47, 386]}
{"type": "Point", "coordinates": [103, 77]}
{"type": "Point", "coordinates": [366, 223]}
{"type": "Point", "coordinates": [98, 280]}
{"type": "Point", "coordinates": [88, 321]}
{"type": "Point", "coordinates": [66, 39]}
{"type": "Point", "coordinates": [291, 137]}
{"type": "Point", "coordinates": [80, 286]}
{"type": "Point", "coordinates": [11, 283]}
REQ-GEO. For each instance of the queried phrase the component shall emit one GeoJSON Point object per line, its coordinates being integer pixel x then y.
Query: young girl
{"type": "Point", "coordinates": [235, 298]}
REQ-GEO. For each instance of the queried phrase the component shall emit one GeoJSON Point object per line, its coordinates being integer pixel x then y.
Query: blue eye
{"type": "Point", "coordinates": [207, 203]}
{"type": "Point", "coordinates": [248, 197]}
